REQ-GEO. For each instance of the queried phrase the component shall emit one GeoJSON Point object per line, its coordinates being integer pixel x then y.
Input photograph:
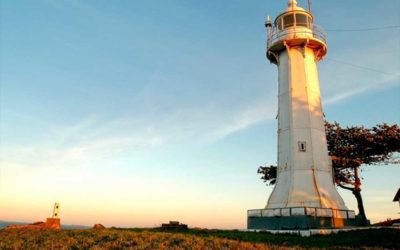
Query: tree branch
{"type": "Point", "coordinates": [344, 187]}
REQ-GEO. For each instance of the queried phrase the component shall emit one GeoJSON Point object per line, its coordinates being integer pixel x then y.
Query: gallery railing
{"type": "Point", "coordinates": [300, 30]}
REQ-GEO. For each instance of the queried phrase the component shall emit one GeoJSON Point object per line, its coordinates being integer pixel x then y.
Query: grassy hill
{"type": "Point", "coordinates": [192, 239]}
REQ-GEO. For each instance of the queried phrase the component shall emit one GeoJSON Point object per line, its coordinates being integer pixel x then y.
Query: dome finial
{"type": "Point", "coordinates": [292, 3]}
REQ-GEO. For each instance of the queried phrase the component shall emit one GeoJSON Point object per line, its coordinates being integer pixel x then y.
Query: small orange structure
{"type": "Point", "coordinates": [51, 223]}
{"type": "Point", "coordinates": [54, 222]}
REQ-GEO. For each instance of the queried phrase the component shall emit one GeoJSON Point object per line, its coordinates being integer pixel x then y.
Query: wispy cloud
{"type": "Point", "coordinates": [357, 70]}
{"type": "Point", "coordinates": [248, 117]}
{"type": "Point", "coordinates": [89, 140]}
{"type": "Point", "coordinates": [348, 93]}
{"type": "Point", "coordinates": [99, 139]}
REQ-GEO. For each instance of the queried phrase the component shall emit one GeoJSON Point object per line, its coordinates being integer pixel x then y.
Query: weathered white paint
{"type": "Point", "coordinates": [304, 176]}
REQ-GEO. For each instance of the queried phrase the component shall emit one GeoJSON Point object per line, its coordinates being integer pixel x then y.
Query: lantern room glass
{"type": "Point", "coordinates": [293, 19]}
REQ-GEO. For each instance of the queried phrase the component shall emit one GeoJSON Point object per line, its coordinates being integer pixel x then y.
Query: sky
{"type": "Point", "coordinates": [134, 113]}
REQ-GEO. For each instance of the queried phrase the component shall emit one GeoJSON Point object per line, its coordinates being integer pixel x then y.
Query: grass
{"type": "Point", "coordinates": [386, 238]}
{"type": "Point", "coordinates": [192, 239]}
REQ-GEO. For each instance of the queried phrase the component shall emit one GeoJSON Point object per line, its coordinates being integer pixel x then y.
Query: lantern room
{"type": "Point", "coordinates": [294, 16]}
{"type": "Point", "coordinates": [295, 26]}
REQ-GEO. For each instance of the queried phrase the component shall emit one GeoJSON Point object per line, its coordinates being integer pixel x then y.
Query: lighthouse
{"type": "Point", "coordinates": [304, 196]}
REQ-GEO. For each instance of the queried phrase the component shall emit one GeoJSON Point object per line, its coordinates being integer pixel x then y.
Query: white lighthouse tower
{"type": "Point", "coordinates": [304, 195]}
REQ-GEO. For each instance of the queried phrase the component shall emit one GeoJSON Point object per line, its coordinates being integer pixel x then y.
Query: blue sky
{"type": "Point", "coordinates": [133, 113]}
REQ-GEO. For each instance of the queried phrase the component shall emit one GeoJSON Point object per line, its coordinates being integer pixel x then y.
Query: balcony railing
{"type": "Point", "coordinates": [296, 31]}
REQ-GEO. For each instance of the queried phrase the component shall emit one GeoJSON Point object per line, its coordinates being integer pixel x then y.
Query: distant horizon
{"type": "Point", "coordinates": [141, 112]}
{"type": "Point", "coordinates": [4, 224]}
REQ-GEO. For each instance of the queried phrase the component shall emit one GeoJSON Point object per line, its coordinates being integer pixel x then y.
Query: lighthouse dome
{"type": "Point", "coordinates": [292, 5]}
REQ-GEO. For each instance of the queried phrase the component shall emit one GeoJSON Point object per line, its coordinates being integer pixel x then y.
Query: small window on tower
{"type": "Point", "coordinates": [301, 20]}
{"type": "Point", "coordinates": [278, 24]}
{"type": "Point", "coordinates": [288, 21]}
{"type": "Point", "coordinates": [302, 146]}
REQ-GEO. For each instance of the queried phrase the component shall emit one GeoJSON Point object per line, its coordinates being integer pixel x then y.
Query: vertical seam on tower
{"type": "Point", "coordinates": [291, 120]}
{"type": "Point", "coordinates": [311, 127]}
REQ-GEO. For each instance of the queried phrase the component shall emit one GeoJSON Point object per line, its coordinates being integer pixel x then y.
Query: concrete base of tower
{"type": "Point", "coordinates": [300, 218]}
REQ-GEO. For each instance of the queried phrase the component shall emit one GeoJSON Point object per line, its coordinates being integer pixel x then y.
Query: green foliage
{"type": "Point", "coordinates": [268, 174]}
{"type": "Point", "coordinates": [351, 147]}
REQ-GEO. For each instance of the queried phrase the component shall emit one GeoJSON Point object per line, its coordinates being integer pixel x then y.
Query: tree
{"type": "Point", "coordinates": [350, 148]}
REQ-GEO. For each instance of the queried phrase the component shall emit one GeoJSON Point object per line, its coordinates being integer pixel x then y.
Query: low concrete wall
{"type": "Point", "coordinates": [301, 222]}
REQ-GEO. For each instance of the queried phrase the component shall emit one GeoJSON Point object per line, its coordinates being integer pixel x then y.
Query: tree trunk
{"type": "Point", "coordinates": [360, 204]}
{"type": "Point", "coordinates": [357, 194]}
